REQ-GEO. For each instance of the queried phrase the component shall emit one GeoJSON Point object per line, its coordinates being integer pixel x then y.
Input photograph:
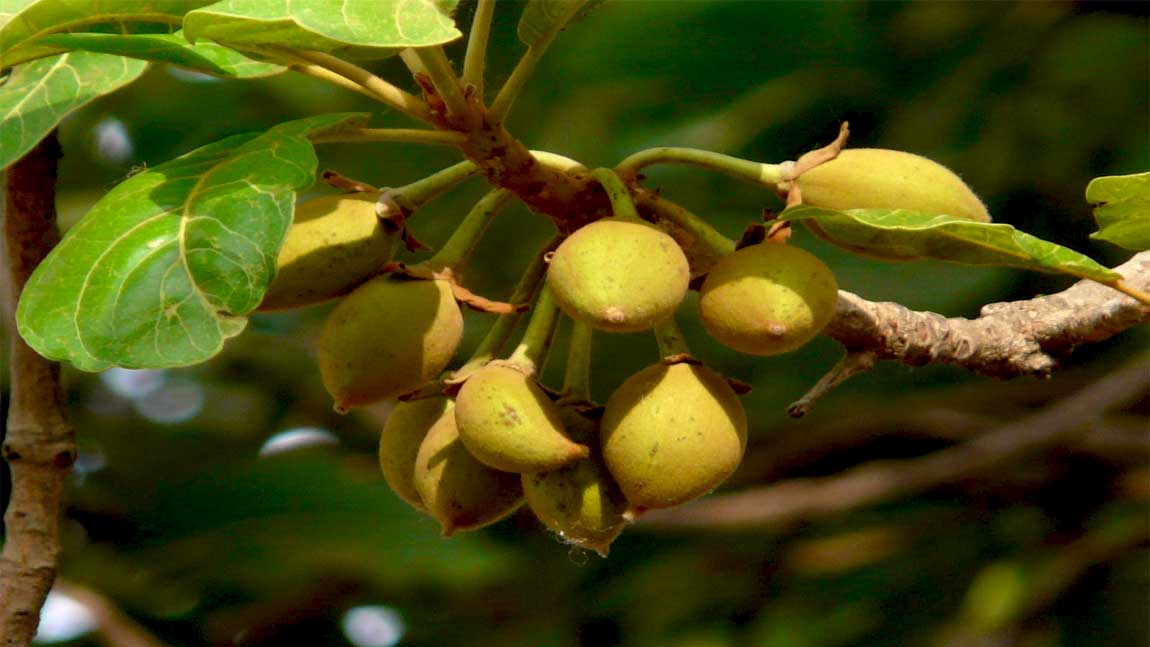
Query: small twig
{"type": "Point", "coordinates": [1008, 339]}
{"type": "Point", "coordinates": [882, 481]}
{"type": "Point", "coordinates": [475, 59]}
{"type": "Point", "coordinates": [114, 628]}
{"type": "Point", "coordinates": [849, 366]}
{"type": "Point", "coordinates": [39, 444]}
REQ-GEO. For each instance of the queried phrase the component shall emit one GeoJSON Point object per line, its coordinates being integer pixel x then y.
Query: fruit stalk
{"type": "Point", "coordinates": [501, 330]}
{"type": "Point", "coordinates": [461, 245]}
{"type": "Point", "coordinates": [413, 196]}
{"type": "Point", "coordinates": [757, 173]}
{"type": "Point", "coordinates": [617, 193]}
{"type": "Point", "coordinates": [670, 339]}
{"type": "Point", "coordinates": [702, 243]}
{"type": "Point", "coordinates": [532, 349]}
{"type": "Point", "coordinates": [577, 376]}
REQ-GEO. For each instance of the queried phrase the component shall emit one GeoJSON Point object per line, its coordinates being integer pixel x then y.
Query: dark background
{"type": "Point", "coordinates": [175, 516]}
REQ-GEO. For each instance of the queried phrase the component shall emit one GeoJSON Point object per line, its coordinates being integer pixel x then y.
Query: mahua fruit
{"type": "Point", "coordinates": [459, 491]}
{"type": "Point", "coordinates": [877, 178]}
{"type": "Point", "coordinates": [509, 423]}
{"type": "Point", "coordinates": [334, 244]}
{"type": "Point", "coordinates": [619, 275]}
{"type": "Point", "coordinates": [403, 433]}
{"type": "Point", "coordinates": [386, 338]}
{"type": "Point", "coordinates": [579, 502]}
{"type": "Point", "coordinates": [671, 433]}
{"type": "Point", "coordinates": [767, 299]}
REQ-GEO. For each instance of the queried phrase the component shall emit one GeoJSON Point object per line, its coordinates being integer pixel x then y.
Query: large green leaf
{"type": "Point", "coordinates": [341, 26]}
{"type": "Point", "coordinates": [1122, 209]}
{"type": "Point", "coordinates": [38, 95]}
{"type": "Point", "coordinates": [898, 234]}
{"type": "Point", "coordinates": [164, 267]}
{"type": "Point", "coordinates": [22, 22]}
{"type": "Point", "coordinates": [206, 57]}
{"type": "Point", "coordinates": [540, 18]}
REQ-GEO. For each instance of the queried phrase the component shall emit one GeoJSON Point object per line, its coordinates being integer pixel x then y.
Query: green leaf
{"type": "Point", "coordinates": [898, 234]}
{"type": "Point", "coordinates": [1122, 209]}
{"type": "Point", "coordinates": [164, 267]}
{"type": "Point", "coordinates": [543, 17]}
{"type": "Point", "coordinates": [206, 57]}
{"type": "Point", "coordinates": [38, 95]}
{"type": "Point", "coordinates": [352, 27]}
{"type": "Point", "coordinates": [24, 21]}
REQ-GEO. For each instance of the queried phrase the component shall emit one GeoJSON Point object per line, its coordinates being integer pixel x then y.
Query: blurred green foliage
{"type": "Point", "coordinates": [202, 540]}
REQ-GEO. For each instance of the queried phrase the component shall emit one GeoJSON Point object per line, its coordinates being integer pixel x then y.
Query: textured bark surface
{"type": "Point", "coordinates": [38, 444]}
{"type": "Point", "coordinates": [1008, 339]}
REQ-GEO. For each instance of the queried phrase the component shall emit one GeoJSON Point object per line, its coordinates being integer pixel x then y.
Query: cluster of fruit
{"type": "Point", "coordinates": [489, 436]}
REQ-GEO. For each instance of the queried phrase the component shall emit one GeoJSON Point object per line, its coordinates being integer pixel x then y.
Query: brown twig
{"type": "Point", "coordinates": [38, 445]}
{"type": "Point", "coordinates": [114, 628]}
{"type": "Point", "coordinates": [1009, 339]}
{"type": "Point", "coordinates": [882, 481]}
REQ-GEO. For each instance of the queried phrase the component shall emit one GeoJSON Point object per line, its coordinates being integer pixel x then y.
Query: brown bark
{"type": "Point", "coordinates": [1008, 340]}
{"type": "Point", "coordinates": [38, 444]}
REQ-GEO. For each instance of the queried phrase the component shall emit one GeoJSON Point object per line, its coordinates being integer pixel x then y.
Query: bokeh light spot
{"type": "Point", "coordinates": [113, 143]}
{"type": "Point", "coordinates": [373, 626]}
{"type": "Point", "coordinates": [175, 402]}
{"type": "Point", "coordinates": [133, 383]}
{"type": "Point", "coordinates": [63, 618]}
{"type": "Point", "coordinates": [297, 438]}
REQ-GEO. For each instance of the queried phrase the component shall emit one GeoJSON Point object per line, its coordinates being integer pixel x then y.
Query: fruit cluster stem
{"type": "Point", "coordinates": [532, 349]}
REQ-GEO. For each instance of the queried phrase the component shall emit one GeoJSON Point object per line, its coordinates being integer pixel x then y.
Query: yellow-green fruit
{"type": "Point", "coordinates": [509, 423]}
{"type": "Point", "coordinates": [672, 433]}
{"type": "Point", "coordinates": [459, 491]}
{"type": "Point", "coordinates": [580, 503]}
{"type": "Point", "coordinates": [334, 244]}
{"type": "Point", "coordinates": [767, 299]}
{"type": "Point", "coordinates": [619, 275]}
{"type": "Point", "coordinates": [399, 443]}
{"type": "Point", "coordinates": [877, 178]}
{"type": "Point", "coordinates": [386, 338]}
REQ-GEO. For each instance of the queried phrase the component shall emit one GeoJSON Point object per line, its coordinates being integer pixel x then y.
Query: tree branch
{"type": "Point", "coordinates": [1009, 339]}
{"type": "Point", "coordinates": [113, 627]}
{"type": "Point", "coordinates": [882, 481]}
{"type": "Point", "coordinates": [38, 445]}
